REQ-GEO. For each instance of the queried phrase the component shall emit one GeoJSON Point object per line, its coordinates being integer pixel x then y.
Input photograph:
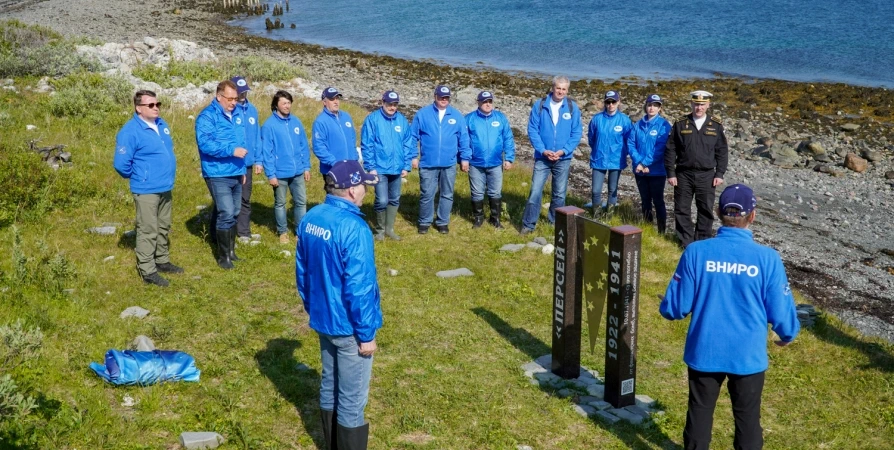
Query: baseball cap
{"type": "Point", "coordinates": [330, 93]}
{"type": "Point", "coordinates": [241, 84]}
{"type": "Point", "coordinates": [612, 95]}
{"type": "Point", "coordinates": [739, 198]}
{"type": "Point", "coordinates": [347, 173]}
{"type": "Point", "coordinates": [442, 91]}
{"type": "Point", "coordinates": [390, 97]}
{"type": "Point", "coordinates": [701, 96]}
{"type": "Point", "coordinates": [485, 95]}
{"type": "Point", "coordinates": [654, 98]}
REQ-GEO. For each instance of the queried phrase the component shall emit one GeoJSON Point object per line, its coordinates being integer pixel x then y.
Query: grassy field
{"type": "Point", "coordinates": [447, 372]}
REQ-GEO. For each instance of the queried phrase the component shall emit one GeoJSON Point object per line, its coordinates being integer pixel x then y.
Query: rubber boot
{"type": "Point", "coordinates": [478, 213]}
{"type": "Point", "coordinates": [496, 210]}
{"type": "Point", "coordinates": [223, 249]}
{"type": "Point", "coordinates": [390, 218]}
{"type": "Point", "coordinates": [662, 226]}
{"type": "Point", "coordinates": [232, 235]}
{"type": "Point", "coordinates": [353, 438]}
{"type": "Point", "coordinates": [381, 220]}
{"type": "Point", "coordinates": [329, 423]}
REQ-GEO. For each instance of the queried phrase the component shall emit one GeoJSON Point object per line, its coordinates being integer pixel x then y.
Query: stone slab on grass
{"type": "Point", "coordinates": [635, 419]}
{"type": "Point", "coordinates": [584, 410]}
{"type": "Point", "coordinates": [607, 417]}
{"type": "Point", "coordinates": [200, 439]}
{"type": "Point", "coordinates": [453, 273]}
{"type": "Point", "coordinates": [512, 247]}
{"type": "Point", "coordinates": [134, 311]}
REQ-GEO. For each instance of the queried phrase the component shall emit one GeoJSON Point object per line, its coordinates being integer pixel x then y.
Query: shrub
{"type": "Point", "coordinates": [17, 346]}
{"type": "Point", "coordinates": [260, 68]}
{"type": "Point", "coordinates": [89, 95]}
{"type": "Point", "coordinates": [45, 190]}
{"type": "Point", "coordinates": [29, 50]}
{"type": "Point", "coordinates": [179, 73]}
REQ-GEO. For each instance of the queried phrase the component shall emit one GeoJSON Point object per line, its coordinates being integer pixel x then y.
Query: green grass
{"type": "Point", "coordinates": [447, 372]}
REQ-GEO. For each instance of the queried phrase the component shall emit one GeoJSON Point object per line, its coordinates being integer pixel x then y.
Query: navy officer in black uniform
{"type": "Point", "coordinates": [695, 161]}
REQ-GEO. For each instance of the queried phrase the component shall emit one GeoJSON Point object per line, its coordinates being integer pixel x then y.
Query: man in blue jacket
{"type": "Point", "coordinates": [732, 287]}
{"type": "Point", "coordinates": [440, 132]}
{"type": "Point", "coordinates": [221, 140]}
{"type": "Point", "coordinates": [335, 272]}
{"type": "Point", "coordinates": [253, 162]}
{"type": "Point", "coordinates": [493, 151]}
{"type": "Point", "coordinates": [385, 147]}
{"type": "Point", "coordinates": [144, 154]}
{"type": "Point", "coordinates": [554, 129]}
{"type": "Point", "coordinates": [286, 157]}
{"type": "Point", "coordinates": [334, 138]}
{"type": "Point", "coordinates": [607, 136]}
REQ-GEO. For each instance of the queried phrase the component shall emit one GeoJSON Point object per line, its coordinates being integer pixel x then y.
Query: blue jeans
{"type": "Point", "coordinates": [344, 387]}
{"type": "Point", "coordinates": [227, 195]}
{"type": "Point", "coordinates": [387, 192]}
{"type": "Point", "coordinates": [491, 177]}
{"type": "Point", "coordinates": [542, 170]}
{"type": "Point", "coordinates": [436, 179]}
{"type": "Point", "coordinates": [297, 187]}
{"type": "Point", "coordinates": [651, 190]}
{"type": "Point", "coordinates": [598, 179]}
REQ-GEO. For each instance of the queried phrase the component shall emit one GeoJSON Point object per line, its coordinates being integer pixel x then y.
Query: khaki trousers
{"type": "Point", "coordinates": [153, 226]}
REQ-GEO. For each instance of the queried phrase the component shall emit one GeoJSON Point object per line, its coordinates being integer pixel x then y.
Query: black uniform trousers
{"type": "Point", "coordinates": [696, 183]}
{"type": "Point", "coordinates": [744, 391]}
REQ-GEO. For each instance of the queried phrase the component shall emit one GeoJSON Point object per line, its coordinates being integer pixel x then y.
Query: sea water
{"type": "Point", "coordinates": [821, 40]}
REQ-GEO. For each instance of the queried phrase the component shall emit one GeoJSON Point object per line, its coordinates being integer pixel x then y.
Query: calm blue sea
{"type": "Point", "coordinates": [821, 40]}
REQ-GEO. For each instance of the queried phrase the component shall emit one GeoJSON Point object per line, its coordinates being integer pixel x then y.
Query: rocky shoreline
{"type": "Point", "coordinates": [829, 218]}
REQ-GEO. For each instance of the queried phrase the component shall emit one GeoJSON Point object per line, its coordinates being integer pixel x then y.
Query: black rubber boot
{"type": "Point", "coordinates": [381, 220]}
{"type": "Point", "coordinates": [232, 246]}
{"type": "Point", "coordinates": [390, 218]}
{"type": "Point", "coordinates": [329, 423]}
{"type": "Point", "coordinates": [478, 213]}
{"type": "Point", "coordinates": [353, 438]}
{"type": "Point", "coordinates": [496, 210]}
{"type": "Point", "coordinates": [223, 249]}
{"type": "Point", "coordinates": [662, 226]}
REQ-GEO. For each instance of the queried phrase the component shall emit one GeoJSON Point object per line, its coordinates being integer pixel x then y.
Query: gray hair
{"type": "Point", "coordinates": [560, 79]}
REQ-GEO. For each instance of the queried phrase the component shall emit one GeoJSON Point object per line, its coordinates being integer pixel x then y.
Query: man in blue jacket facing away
{"type": "Point", "coordinates": [253, 162]}
{"type": "Point", "coordinates": [493, 151]}
{"type": "Point", "coordinates": [335, 272]}
{"type": "Point", "coordinates": [443, 140]}
{"type": "Point", "coordinates": [554, 129]}
{"type": "Point", "coordinates": [221, 140]}
{"type": "Point", "coordinates": [334, 138]}
{"type": "Point", "coordinates": [732, 287]}
{"type": "Point", "coordinates": [385, 147]}
{"type": "Point", "coordinates": [144, 154]}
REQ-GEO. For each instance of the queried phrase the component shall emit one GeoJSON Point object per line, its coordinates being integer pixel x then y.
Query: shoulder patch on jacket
{"type": "Point", "coordinates": [716, 119]}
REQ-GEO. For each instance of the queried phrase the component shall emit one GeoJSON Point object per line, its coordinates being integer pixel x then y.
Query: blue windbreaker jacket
{"type": "Point", "coordinates": [732, 287]}
{"type": "Point", "coordinates": [336, 272]}
{"type": "Point", "coordinates": [646, 144]}
{"type": "Point", "coordinates": [441, 143]}
{"type": "Point", "coordinates": [490, 137]}
{"type": "Point", "coordinates": [217, 137]}
{"type": "Point", "coordinates": [565, 135]}
{"type": "Point", "coordinates": [385, 143]}
{"type": "Point", "coordinates": [145, 157]}
{"type": "Point", "coordinates": [252, 126]}
{"type": "Point", "coordinates": [607, 136]}
{"type": "Point", "coordinates": [334, 139]}
{"type": "Point", "coordinates": [285, 151]}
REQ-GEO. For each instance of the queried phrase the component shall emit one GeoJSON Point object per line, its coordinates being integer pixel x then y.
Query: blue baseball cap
{"type": "Point", "coordinates": [654, 98]}
{"type": "Point", "coordinates": [241, 84]}
{"type": "Point", "coordinates": [347, 173]}
{"type": "Point", "coordinates": [330, 93]}
{"type": "Point", "coordinates": [390, 97]}
{"type": "Point", "coordinates": [485, 95]}
{"type": "Point", "coordinates": [737, 200]}
{"type": "Point", "coordinates": [612, 95]}
{"type": "Point", "coordinates": [442, 91]}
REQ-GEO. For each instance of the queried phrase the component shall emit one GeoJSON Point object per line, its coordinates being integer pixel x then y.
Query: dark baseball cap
{"type": "Point", "coordinates": [654, 98]}
{"type": "Point", "coordinates": [241, 84]}
{"type": "Point", "coordinates": [330, 93]}
{"type": "Point", "coordinates": [612, 95]}
{"type": "Point", "coordinates": [737, 200]}
{"type": "Point", "coordinates": [347, 173]}
{"type": "Point", "coordinates": [390, 97]}
{"type": "Point", "coordinates": [485, 95]}
{"type": "Point", "coordinates": [442, 91]}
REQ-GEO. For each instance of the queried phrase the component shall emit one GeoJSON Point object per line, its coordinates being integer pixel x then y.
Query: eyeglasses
{"type": "Point", "coordinates": [610, 102]}
{"type": "Point", "coordinates": [232, 99]}
{"type": "Point", "coordinates": [150, 105]}
{"type": "Point", "coordinates": [488, 101]}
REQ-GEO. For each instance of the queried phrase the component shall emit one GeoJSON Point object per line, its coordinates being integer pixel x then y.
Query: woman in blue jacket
{"type": "Point", "coordinates": [646, 147]}
{"type": "Point", "coordinates": [607, 136]}
{"type": "Point", "coordinates": [286, 158]}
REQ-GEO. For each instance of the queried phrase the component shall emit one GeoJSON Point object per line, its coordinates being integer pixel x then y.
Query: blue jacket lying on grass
{"type": "Point", "coordinates": [145, 368]}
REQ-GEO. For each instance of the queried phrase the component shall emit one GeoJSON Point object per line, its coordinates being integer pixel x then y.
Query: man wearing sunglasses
{"type": "Point", "coordinates": [221, 140]}
{"type": "Point", "coordinates": [145, 155]}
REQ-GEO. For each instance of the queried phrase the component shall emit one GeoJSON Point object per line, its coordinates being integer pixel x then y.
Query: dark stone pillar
{"type": "Point", "coordinates": [621, 315]}
{"type": "Point", "coordinates": [566, 321]}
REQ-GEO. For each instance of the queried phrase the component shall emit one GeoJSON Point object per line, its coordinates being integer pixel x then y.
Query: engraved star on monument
{"type": "Point", "coordinates": [606, 249]}
{"type": "Point", "coordinates": [594, 240]}
{"type": "Point", "coordinates": [599, 284]}
{"type": "Point", "coordinates": [603, 275]}
{"type": "Point", "coordinates": [589, 287]}
{"type": "Point", "coordinates": [586, 245]}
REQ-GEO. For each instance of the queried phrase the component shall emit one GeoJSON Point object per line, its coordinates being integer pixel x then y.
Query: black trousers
{"type": "Point", "coordinates": [744, 391]}
{"type": "Point", "coordinates": [243, 220]}
{"type": "Point", "coordinates": [698, 184]}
